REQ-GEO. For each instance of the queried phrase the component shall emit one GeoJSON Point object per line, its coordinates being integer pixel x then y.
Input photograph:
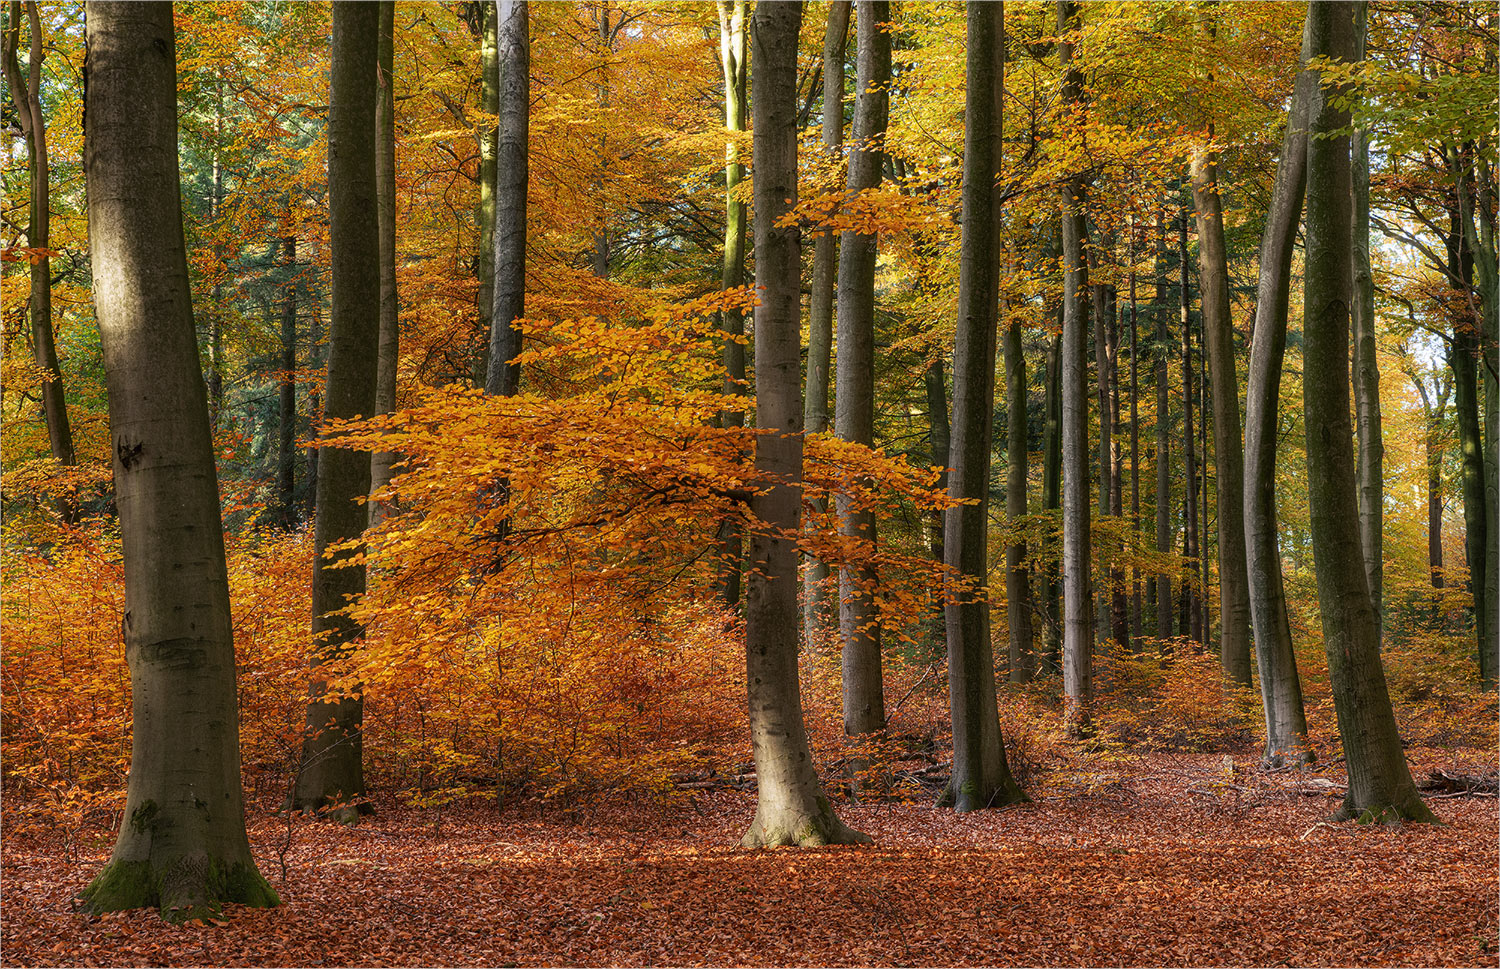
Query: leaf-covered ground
{"type": "Point", "coordinates": [1179, 862]}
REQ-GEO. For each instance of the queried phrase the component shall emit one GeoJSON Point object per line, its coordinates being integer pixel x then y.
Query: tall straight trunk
{"type": "Point", "coordinates": [286, 455]}
{"type": "Point", "coordinates": [1206, 413]}
{"type": "Point", "coordinates": [600, 256]}
{"type": "Point", "coordinates": [1380, 784]}
{"type": "Point", "coordinates": [817, 610]}
{"type": "Point", "coordinates": [216, 317]}
{"type": "Point", "coordinates": [25, 95]}
{"type": "Point", "coordinates": [1051, 660]}
{"type": "Point", "coordinates": [1366, 372]}
{"type": "Point", "coordinates": [332, 769]}
{"type": "Point", "coordinates": [1229, 471]}
{"type": "Point", "coordinates": [511, 179]}
{"type": "Point", "coordinates": [733, 54]}
{"type": "Point", "coordinates": [939, 439]}
{"type": "Point", "coordinates": [981, 777]}
{"type": "Point", "coordinates": [314, 411]}
{"type": "Point", "coordinates": [1163, 598]}
{"type": "Point", "coordinates": [1280, 686]}
{"type": "Point", "coordinates": [389, 345]}
{"type": "Point", "coordinates": [791, 808]}
{"type": "Point", "coordinates": [1017, 575]}
{"type": "Point", "coordinates": [1136, 606]}
{"type": "Point", "coordinates": [1078, 630]}
{"type": "Point", "coordinates": [1119, 597]}
{"type": "Point", "coordinates": [1192, 548]}
{"type": "Point", "coordinates": [182, 847]}
{"type": "Point", "coordinates": [486, 135]}
{"type": "Point", "coordinates": [1434, 414]}
{"type": "Point", "coordinates": [854, 402]}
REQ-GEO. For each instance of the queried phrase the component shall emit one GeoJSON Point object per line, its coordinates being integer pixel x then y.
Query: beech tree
{"type": "Point", "coordinates": [511, 179]}
{"type": "Point", "coordinates": [733, 53]}
{"type": "Point", "coordinates": [181, 846]}
{"type": "Point", "coordinates": [389, 345]}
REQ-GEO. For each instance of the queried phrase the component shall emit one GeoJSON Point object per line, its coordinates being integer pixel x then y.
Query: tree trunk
{"type": "Point", "coordinates": [817, 610]}
{"type": "Point", "coordinates": [1229, 473]}
{"type": "Point", "coordinates": [314, 409]}
{"type": "Point", "coordinates": [511, 179]}
{"type": "Point", "coordinates": [1136, 606]}
{"type": "Point", "coordinates": [1280, 686]}
{"type": "Point", "coordinates": [1164, 538]}
{"type": "Point", "coordinates": [791, 808]}
{"type": "Point", "coordinates": [1366, 373]}
{"type": "Point", "coordinates": [981, 777]}
{"type": "Point", "coordinates": [25, 96]}
{"type": "Point", "coordinates": [1380, 785]}
{"type": "Point", "coordinates": [854, 402]}
{"type": "Point", "coordinates": [389, 346]}
{"type": "Point", "coordinates": [286, 456]}
{"type": "Point", "coordinates": [182, 846]}
{"type": "Point", "coordinates": [939, 438]}
{"type": "Point", "coordinates": [1052, 501]}
{"type": "Point", "coordinates": [487, 137]}
{"type": "Point", "coordinates": [1193, 549]}
{"type": "Point", "coordinates": [1017, 575]}
{"type": "Point", "coordinates": [1078, 630]}
{"type": "Point", "coordinates": [332, 770]}
{"type": "Point", "coordinates": [1119, 599]}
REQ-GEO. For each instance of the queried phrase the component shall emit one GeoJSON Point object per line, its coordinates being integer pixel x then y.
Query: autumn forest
{"type": "Point", "coordinates": [613, 482]}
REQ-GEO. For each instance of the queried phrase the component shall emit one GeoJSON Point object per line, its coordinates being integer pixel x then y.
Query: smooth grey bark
{"type": "Point", "coordinates": [1017, 573]}
{"type": "Point", "coordinates": [332, 768]}
{"type": "Point", "coordinates": [1136, 604]}
{"type": "Point", "coordinates": [854, 392]}
{"type": "Point", "coordinates": [1280, 685]}
{"type": "Point", "coordinates": [817, 609]}
{"type": "Point", "coordinates": [1229, 471]}
{"type": "Point", "coordinates": [939, 440]}
{"type": "Point", "coordinates": [486, 136]}
{"type": "Point", "coordinates": [1193, 548]}
{"type": "Point", "coordinates": [981, 777]}
{"type": "Point", "coordinates": [1366, 372]}
{"type": "Point", "coordinates": [1380, 784]}
{"type": "Point", "coordinates": [286, 392]}
{"type": "Point", "coordinates": [791, 808]}
{"type": "Point", "coordinates": [181, 847]}
{"type": "Point", "coordinates": [389, 341]}
{"type": "Point", "coordinates": [25, 97]}
{"type": "Point", "coordinates": [1051, 659]}
{"type": "Point", "coordinates": [511, 179]}
{"type": "Point", "coordinates": [1164, 537]}
{"type": "Point", "coordinates": [1078, 629]}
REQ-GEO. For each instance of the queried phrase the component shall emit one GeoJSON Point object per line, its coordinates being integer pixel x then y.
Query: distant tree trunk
{"type": "Point", "coordinates": [1078, 629]}
{"type": "Point", "coordinates": [600, 255]}
{"type": "Point", "coordinates": [511, 178]}
{"type": "Point", "coordinates": [1366, 372]}
{"type": "Point", "coordinates": [1052, 501]}
{"type": "Point", "coordinates": [385, 201]}
{"type": "Point", "coordinates": [1463, 359]}
{"type": "Point", "coordinates": [286, 456]}
{"type": "Point", "coordinates": [25, 96]}
{"type": "Point", "coordinates": [1380, 784]}
{"type": "Point", "coordinates": [854, 401]}
{"type": "Point", "coordinates": [314, 411]}
{"type": "Point", "coordinates": [1017, 575]}
{"type": "Point", "coordinates": [1136, 605]}
{"type": "Point", "coordinates": [1434, 413]}
{"type": "Point", "coordinates": [733, 53]}
{"type": "Point", "coordinates": [1119, 599]}
{"type": "Point", "coordinates": [791, 808]}
{"type": "Point", "coordinates": [981, 777]}
{"type": "Point", "coordinates": [939, 436]}
{"type": "Point", "coordinates": [181, 847]}
{"type": "Point", "coordinates": [817, 610]}
{"type": "Point", "coordinates": [332, 769]}
{"type": "Point", "coordinates": [487, 137]}
{"type": "Point", "coordinates": [1164, 538]}
{"type": "Point", "coordinates": [1193, 549]}
{"type": "Point", "coordinates": [1280, 685]}
{"type": "Point", "coordinates": [1229, 472]}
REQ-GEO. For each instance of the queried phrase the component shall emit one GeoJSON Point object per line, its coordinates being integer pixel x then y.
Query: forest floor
{"type": "Point", "coordinates": [1172, 860]}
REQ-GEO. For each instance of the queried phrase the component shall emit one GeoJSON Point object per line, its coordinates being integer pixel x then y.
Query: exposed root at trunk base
{"type": "Point", "coordinates": [184, 889]}
{"type": "Point", "coordinates": [786, 828]}
{"type": "Point", "coordinates": [1411, 809]}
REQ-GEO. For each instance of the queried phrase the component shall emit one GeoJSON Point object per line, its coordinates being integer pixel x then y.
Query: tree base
{"type": "Point", "coordinates": [343, 812]}
{"type": "Point", "coordinates": [1001, 796]}
{"type": "Point", "coordinates": [801, 829]}
{"type": "Point", "coordinates": [188, 888]}
{"type": "Point", "coordinates": [1413, 809]}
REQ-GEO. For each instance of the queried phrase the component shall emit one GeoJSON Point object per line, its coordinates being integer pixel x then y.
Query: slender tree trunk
{"type": "Point", "coordinates": [1380, 784]}
{"type": "Point", "coordinates": [817, 610]}
{"type": "Point", "coordinates": [981, 777]}
{"type": "Point", "coordinates": [1189, 447]}
{"type": "Point", "coordinates": [25, 95]}
{"type": "Point", "coordinates": [486, 135]}
{"type": "Point", "coordinates": [1078, 630]}
{"type": "Point", "coordinates": [1119, 597]}
{"type": "Point", "coordinates": [854, 402]}
{"type": "Point", "coordinates": [182, 846]}
{"type": "Point", "coordinates": [939, 436]}
{"type": "Point", "coordinates": [1366, 372]}
{"type": "Point", "coordinates": [1280, 686]}
{"type": "Point", "coordinates": [1434, 413]}
{"type": "Point", "coordinates": [332, 770]}
{"type": "Point", "coordinates": [314, 411]}
{"type": "Point", "coordinates": [1164, 538]}
{"type": "Point", "coordinates": [1017, 575]}
{"type": "Point", "coordinates": [286, 458]}
{"type": "Point", "coordinates": [389, 346]}
{"type": "Point", "coordinates": [511, 179]}
{"type": "Point", "coordinates": [791, 808]}
{"type": "Point", "coordinates": [1052, 501]}
{"type": "Point", "coordinates": [1136, 606]}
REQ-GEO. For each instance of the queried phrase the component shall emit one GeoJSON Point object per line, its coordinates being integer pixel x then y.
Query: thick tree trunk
{"type": "Point", "coordinates": [1218, 339]}
{"type": "Point", "coordinates": [486, 136]}
{"type": "Point", "coordinates": [182, 846]}
{"type": "Point", "coordinates": [854, 402]}
{"type": "Point", "coordinates": [1078, 629]}
{"type": "Point", "coordinates": [791, 808]}
{"type": "Point", "coordinates": [981, 777]}
{"type": "Point", "coordinates": [332, 770]}
{"type": "Point", "coordinates": [1280, 686]}
{"type": "Point", "coordinates": [25, 96]}
{"type": "Point", "coordinates": [817, 615]}
{"type": "Point", "coordinates": [389, 346]}
{"type": "Point", "coordinates": [511, 178]}
{"type": "Point", "coordinates": [1380, 784]}
{"type": "Point", "coordinates": [1017, 575]}
{"type": "Point", "coordinates": [1051, 660]}
{"type": "Point", "coordinates": [286, 456]}
{"type": "Point", "coordinates": [1164, 537]}
{"type": "Point", "coordinates": [1192, 547]}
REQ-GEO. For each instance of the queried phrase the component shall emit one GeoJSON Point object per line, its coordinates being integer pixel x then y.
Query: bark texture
{"type": "Point", "coordinates": [511, 177]}
{"type": "Point", "coordinates": [389, 346]}
{"type": "Point", "coordinates": [182, 846]}
{"type": "Point", "coordinates": [286, 393]}
{"type": "Point", "coordinates": [1017, 573]}
{"type": "Point", "coordinates": [486, 24]}
{"type": "Point", "coordinates": [1161, 353]}
{"type": "Point", "coordinates": [1370, 470]}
